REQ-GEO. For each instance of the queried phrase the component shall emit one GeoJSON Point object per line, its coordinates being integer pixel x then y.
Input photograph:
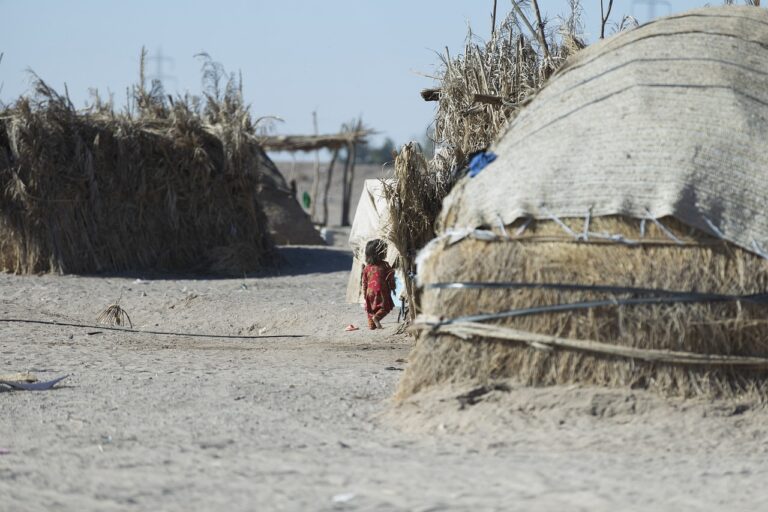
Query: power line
{"type": "Point", "coordinates": [160, 61]}
{"type": "Point", "coordinates": [651, 4]}
{"type": "Point", "coordinates": [139, 331]}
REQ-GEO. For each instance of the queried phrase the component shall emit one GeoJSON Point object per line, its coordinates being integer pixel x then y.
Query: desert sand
{"type": "Point", "coordinates": [153, 422]}
{"type": "Point", "coordinates": [295, 413]}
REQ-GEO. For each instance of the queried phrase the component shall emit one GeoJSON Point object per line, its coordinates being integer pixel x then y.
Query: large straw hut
{"type": "Point", "coordinates": [620, 236]}
{"type": "Point", "coordinates": [170, 187]}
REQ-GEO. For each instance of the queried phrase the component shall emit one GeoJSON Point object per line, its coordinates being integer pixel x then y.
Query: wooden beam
{"type": "Point", "coordinates": [488, 98]}
{"type": "Point", "coordinates": [312, 142]}
{"type": "Point", "coordinates": [434, 95]}
{"type": "Point", "coordinates": [430, 94]}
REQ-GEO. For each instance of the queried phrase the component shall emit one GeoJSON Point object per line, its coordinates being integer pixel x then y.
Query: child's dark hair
{"type": "Point", "coordinates": [375, 251]}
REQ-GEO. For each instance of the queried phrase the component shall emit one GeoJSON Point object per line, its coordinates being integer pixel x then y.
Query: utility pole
{"type": "Point", "coordinates": [160, 60]}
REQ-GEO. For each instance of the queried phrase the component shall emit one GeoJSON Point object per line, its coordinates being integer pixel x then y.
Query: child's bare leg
{"type": "Point", "coordinates": [377, 320]}
{"type": "Point", "coordinates": [371, 322]}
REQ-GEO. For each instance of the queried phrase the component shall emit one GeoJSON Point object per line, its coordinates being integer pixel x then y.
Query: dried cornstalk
{"type": "Point", "coordinates": [114, 315]}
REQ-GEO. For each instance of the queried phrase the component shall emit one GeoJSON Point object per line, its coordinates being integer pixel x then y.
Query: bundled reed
{"type": "Point", "coordinates": [415, 198]}
{"type": "Point", "coordinates": [170, 184]}
{"type": "Point", "coordinates": [678, 348]}
{"type": "Point", "coordinates": [479, 92]}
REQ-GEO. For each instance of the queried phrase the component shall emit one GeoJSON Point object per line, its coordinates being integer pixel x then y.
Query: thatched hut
{"type": "Point", "coordinates": [173, 187]}
{"type": "Point", "coordinates": [619, 237]}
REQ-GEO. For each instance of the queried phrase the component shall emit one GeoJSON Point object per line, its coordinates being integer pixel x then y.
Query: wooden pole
{"type": "Point", "coordinates": [430, 94]}
{"type": "Point", "coordinates": [542, 36]}
{"type": "Point", "coordinates": [328, 186]}
{"type": "Point", "coordinates": [493, 20]}
{"type": "Point", "coordinates": [351, 181]}
{"type": "Point", "coordinates": [537, 34]}
{"type": "Point", "coordinates": [316, 180]}
{"type": "Point", "coordinates": [344, 221]}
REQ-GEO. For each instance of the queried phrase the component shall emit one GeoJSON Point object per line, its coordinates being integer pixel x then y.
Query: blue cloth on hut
{"type": "Point", "coordinates": [479, 162]}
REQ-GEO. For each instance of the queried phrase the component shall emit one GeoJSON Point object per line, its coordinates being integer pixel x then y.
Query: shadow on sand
{"type": "Point", "coordinates": [300, 260]}
{"type": "Point", "coordinates": [292, 261]}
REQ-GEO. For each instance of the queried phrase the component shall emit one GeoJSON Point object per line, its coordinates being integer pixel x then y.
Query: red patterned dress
{"type": "Point", "coordinates": [378, 284]}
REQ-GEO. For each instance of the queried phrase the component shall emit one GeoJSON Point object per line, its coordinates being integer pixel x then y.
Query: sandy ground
{"type": "Point", "coordinates": [152, 422]}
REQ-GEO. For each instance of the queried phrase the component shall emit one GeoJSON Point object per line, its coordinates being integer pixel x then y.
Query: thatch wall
{"type": "Point", "coordinates": [545, 253]}
{"type": "Point", "coordinates": [414, 198]}
{"type": "Point", "coordinates": [168, 189]}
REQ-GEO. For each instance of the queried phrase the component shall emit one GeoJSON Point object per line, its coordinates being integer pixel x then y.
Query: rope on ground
{"type": "Point", "coordinates": [469, 330]}
{"type": "Point", "coordinates": [139, 331]}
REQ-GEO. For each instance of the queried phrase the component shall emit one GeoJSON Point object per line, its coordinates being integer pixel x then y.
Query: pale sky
{"type": "Point", "coordinates": [343, 58]}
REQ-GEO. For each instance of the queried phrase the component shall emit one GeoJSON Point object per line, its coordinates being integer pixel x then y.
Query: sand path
{"type": "Point", "coordinates": [148, 422]}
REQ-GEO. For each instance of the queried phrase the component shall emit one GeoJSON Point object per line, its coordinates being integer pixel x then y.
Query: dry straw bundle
{"type": "Point", "coordinates": [415, 197]}
{"type": "Point", "coordinates": [545, 254]}
{"type": "Point", "coordinates": [481, 90]}
{"type": "Point", "coordinates": [167, 185]}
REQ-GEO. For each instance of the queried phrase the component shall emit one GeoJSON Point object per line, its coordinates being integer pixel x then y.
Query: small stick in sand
{"type": "Point", "coordinates": [114, 315]}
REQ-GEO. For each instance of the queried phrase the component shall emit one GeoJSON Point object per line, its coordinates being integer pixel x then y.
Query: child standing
{"type": "Point", "coordinates": [378, 281]}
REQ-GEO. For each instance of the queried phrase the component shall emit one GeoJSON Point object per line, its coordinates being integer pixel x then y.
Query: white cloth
{"type": "Point", "coordinates": [371, 222]}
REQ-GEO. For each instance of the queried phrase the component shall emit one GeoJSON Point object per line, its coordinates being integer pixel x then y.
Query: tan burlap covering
{"type": "Point", "coordinates": [667, 119]}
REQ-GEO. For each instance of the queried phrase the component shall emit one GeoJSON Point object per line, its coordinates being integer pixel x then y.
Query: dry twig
{"type": "Point", "coordinates": [604, 17]}
{"type": "Point", "coordinates": [114, 315]}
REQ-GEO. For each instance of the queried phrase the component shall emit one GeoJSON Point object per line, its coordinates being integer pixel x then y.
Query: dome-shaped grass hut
{"type": "Point", "coordinates": [619, 238]}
